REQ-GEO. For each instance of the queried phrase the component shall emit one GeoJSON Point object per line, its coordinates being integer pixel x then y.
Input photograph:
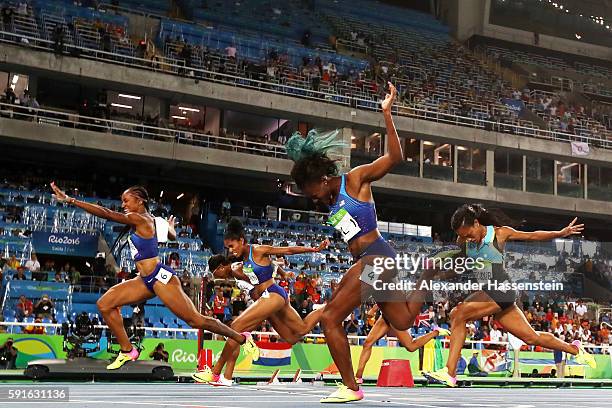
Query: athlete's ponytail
{"type": "Point", "coordinates": [310, 156]}
{"type": "Point", "coordinates": [468, 213]}
{"type": "Point", "coordinates": [234, 230]}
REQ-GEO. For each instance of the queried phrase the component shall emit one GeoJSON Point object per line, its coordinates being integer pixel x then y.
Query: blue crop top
{"type": "Point", "coordinates": [143, 248]}
{"type": "Point", "coordinates": [488, 249]}
{"type": "Point", "coordinates": [351, 217]}
{"type": "Point", "coordinates": [257, 273]}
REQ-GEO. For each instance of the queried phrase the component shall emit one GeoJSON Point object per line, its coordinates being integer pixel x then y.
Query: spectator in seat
{"type": "Point", "coordinates": [75, 278]}
{"type": "Point", "coordinates": [351, 326]}
{"type": "Point", "coordinates": [159, 353]}
{"type": "Point", "coordinates": [304, 309]}
{"type": "Point", "coordinates": [218, 305]}
{"type": "Point", "coordinates": [7, 14]}
{"type": "Point", "coordinates": [13, 262]}
{"type": "Point", "coordinates": [239, 304]}
{"type": "Point", "coordinates": [186, 283]}
{"type": "Point", "coordinates": [8, 355]}
{"type": "Point", "coordinates": [33, 329]}
{"type": "Point", "coordinates": [33, 265]}
{"type": "Point", "coordinates": [20, 275]}
{"type": "Point", "coordinates": [44, 307]}
{"type": "Point", "coordinates": [24, 308]}
{"type": "Point", "coordinates": [230, 52]}
{"type": "Point", "coordinates": [57, 36]}
{"type": "Point", "coordinates": [226, 209]}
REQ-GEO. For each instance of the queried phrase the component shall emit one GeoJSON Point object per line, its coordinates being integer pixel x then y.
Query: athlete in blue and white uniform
{"type": "Point", "coordinates": [353, 215]}
{"type": "Point", "coordinates": [155, 278]}
{"type": "Point", "coordinates": [271, 300]}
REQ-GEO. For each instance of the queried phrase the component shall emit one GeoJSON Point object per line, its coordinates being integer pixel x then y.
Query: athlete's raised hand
{"type": "Point", "coordinates": [572, 228]}
{"type": "Point", "coordinates": [322, 246]}
{"type": "Point", "coordinates": [58, 194]}
{"type": "Point", "coordinates": [171, 221]}
{"type": "Point", "coordinates": [387, 103]}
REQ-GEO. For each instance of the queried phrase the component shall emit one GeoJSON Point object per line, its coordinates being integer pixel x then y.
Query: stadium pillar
{"type": "Point", "coordinates": [347, 133]}
{"type": "Point", "coordinates": [456, 164]}
{"type": "Point", "coordinates": [555, 172]}
{"type": "Point", "coordinates": [524, 173]}
{"type": "Point", "coordinates": [33, 85]}
{"type": "Point", "coordinates": [421, 158]}
{"type": "Point", "coordinates": [585, 181]}
{"type": "Point", "coordinates": [490, 169]}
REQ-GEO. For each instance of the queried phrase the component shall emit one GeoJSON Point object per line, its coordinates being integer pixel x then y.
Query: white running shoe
{"type": "Point", "coordinates": [222, 382]}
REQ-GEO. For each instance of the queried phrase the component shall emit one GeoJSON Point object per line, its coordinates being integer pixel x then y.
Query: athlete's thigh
{"type": "Point", "coordinates": [379, 330]}
{"type": "Point", "coordinates": [172, 296]}
{"type": "Point", "coordinates": [475, 306]}
{"type": "Point", "coordinates": [283, 330]}
{"type": "Point", "coordinates": [348, 295]}
{"type": "Point", "coordinates": [126, 293]}
{"type": "Point", "coordinates": [514, 321]}
{"type": "Point", "coordinates": [259, 311]}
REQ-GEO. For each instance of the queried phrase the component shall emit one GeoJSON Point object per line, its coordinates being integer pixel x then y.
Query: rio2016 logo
{"type": "Point", "coordinates": [66, 240]}
{"type": "Point", "coordinates": [181, 356]}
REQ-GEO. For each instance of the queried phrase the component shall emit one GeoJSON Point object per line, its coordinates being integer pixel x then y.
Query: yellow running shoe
{"type": "Point", "coordinates": [583, 357]}
{"type": "Point", "coordinates": [250, 348]}
{"type": "Point", "coordinates": [343, 394]}
{"type": "Point", "coordinates": [123, 358]}
{"type": "Point", "coordinates": [441, 376]}
{"type": "Point", "coordinates": [205, 376]}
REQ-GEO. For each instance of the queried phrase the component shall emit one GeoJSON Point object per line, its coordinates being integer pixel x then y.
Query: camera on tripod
{"type": "Point", "coordinates": [81, 336]}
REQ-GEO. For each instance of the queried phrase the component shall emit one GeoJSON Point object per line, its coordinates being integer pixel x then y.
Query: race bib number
{"type": "Point", "coordinates": [163, 276]}
{"type": "Point", "coordinates": [368, 275]}
{"type": "Point", "coordinates": [248, 271]}
{"type": "Point", "coordinates": [484, 274]}
{"type": "Point", "coordinates": [345, 224]}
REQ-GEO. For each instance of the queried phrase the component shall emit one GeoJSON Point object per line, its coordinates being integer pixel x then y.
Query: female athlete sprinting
{"type": "Point", "coordinates": [155, 278]}
{"type": "Point", "coordinates": [272, 301]}
{"type": "Point", "coordinates": [483, 233]}
{"type": "Point", "coordinates": [380, 329]}
{"type": "Point", "coordinates": [353, 215]}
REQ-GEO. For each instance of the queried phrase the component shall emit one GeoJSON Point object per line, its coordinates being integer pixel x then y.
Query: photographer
{"type": "Point", "coordinates": [159, 353]}
{"type": "Point", "coordinates": [44, 307]}
{"type": "Point", "coordinates": [8, 355]}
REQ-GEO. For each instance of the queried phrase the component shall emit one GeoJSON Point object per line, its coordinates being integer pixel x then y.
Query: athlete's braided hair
{"type": "Point", "coordinates": [141, 193]}
{"type": "Point", "coordinates": [310, 156]}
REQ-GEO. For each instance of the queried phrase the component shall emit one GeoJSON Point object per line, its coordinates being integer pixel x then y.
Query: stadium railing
{"type": "Point", "coordinates": [138, 130]}
{"type": "Point", "coordinates": [177, 67]}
